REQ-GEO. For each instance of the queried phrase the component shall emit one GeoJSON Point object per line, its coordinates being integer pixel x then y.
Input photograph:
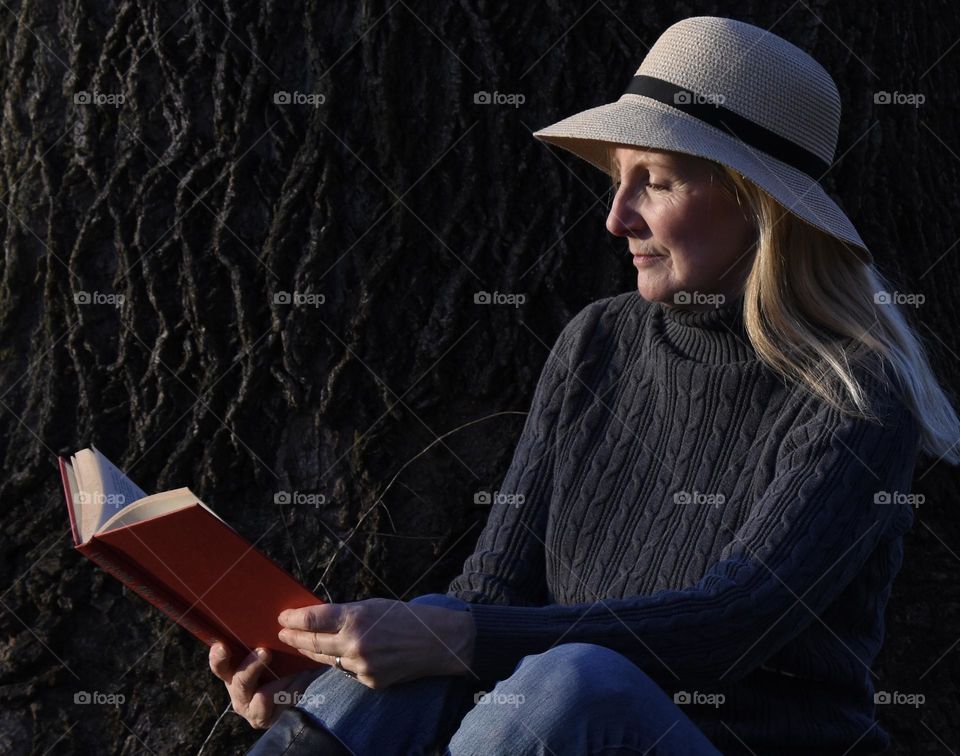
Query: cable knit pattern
{"type": "Point", "coordinates": [685, 506]}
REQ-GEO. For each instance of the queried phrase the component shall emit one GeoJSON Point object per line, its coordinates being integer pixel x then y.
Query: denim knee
{"type": "Point", "coordinates": [440, 599]}
{"type": "Point", "coordinates": [588, 670]}
{"type": "Point", "coordinates": [560, 695]}
{"type": "Point", "coordinates": [580, 677]}
{"type": "Point", "coordinates": [577, 698]}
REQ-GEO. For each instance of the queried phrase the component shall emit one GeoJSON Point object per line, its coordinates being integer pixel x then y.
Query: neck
{"type": "Point", "coordinates": [713, 335]}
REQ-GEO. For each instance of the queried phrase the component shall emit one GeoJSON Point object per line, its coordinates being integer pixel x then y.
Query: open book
{"type": "Point", "coordinates": [174, 551]}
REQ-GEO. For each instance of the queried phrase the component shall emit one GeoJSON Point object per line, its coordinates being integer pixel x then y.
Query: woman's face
{"type": "Point", "coordinates": [701, 239]}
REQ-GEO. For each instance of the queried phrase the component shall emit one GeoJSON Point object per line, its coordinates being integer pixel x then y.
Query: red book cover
{"type": "Point", "coordinates": [206, 577]}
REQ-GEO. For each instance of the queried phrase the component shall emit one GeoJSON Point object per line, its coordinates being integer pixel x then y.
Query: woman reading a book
{"type": "Point", "coordinates": [693, 546]}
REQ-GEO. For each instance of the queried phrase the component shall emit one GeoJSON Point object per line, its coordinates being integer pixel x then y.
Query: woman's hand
{"type": "Point", "coordinates": [261, 705]}
{"type": "Point", "coordinates": [383, 641]}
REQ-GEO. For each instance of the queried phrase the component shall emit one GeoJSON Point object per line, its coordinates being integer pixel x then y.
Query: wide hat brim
{"type": "Point", "coordinates": [639, 121]}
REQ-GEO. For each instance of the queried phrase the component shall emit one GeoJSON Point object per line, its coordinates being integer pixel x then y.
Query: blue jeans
{"type": "Point", "coordinates": [576, 698]}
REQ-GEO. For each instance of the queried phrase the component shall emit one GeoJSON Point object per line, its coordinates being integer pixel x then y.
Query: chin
{"type": "Point", "coordinates": [655, 291]}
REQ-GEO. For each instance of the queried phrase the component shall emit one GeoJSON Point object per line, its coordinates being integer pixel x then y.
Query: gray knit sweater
{"type": "Point", "coordinates": [723, 530]}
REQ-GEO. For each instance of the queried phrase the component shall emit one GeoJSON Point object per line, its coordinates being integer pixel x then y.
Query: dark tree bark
{"type": "Point", "coordinates": [199, 198]}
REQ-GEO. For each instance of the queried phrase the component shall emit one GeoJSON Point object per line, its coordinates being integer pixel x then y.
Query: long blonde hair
{"type": "Point", "coordinates": [815, 310]}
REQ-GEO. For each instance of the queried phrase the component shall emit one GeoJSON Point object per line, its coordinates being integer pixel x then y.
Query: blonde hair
{"type": "Point", "coordinates": [816, 311]}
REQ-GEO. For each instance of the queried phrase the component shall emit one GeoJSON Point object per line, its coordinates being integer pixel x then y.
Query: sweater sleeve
{"type": "Point", "coordinates": [508, 565]}
{"type": "Point", "coordinates": [806, 537]}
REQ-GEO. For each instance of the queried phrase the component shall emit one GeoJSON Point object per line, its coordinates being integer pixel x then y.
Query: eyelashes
{"type": "Point", "coordinates": [654, 187]}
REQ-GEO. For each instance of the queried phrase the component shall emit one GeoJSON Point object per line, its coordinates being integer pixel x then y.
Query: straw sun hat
{"type": "Point", "coordinates": [733, 93]}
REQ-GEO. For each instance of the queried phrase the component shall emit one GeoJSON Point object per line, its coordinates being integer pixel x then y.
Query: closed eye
{"type": "Point", "coordinates": [655, 187]}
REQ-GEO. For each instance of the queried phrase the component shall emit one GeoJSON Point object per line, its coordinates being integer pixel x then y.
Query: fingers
{"type": "Point", "coordinates": [219, 660]}
{"type": "Point", "coordinates": [246, 677]}
{"type": "Point", "coordinates": [315, 644]}
{"type": "Point", "coordinates": [221, 663]}
{"type": "Point", "coordinates": [320, 618]}
{"type": "Point", "coordinates": [245, 697]}
{"type": "Point", "coordinates": [263, 707]}
{"type": "Point", "coordinates": [272, 697]}
{"type": "Point", "coordinates": [259, 704]}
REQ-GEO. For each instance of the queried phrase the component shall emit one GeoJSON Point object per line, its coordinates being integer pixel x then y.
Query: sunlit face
{"type": "Point", "coordinates": [666, 205]}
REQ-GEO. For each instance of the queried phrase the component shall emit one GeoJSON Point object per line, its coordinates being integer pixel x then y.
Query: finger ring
{"type": "Point", "coordinates": [347, 672]}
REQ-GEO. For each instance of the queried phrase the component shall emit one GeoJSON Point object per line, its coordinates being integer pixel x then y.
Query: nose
{"type": "Point", "coordinates": [624, 219]}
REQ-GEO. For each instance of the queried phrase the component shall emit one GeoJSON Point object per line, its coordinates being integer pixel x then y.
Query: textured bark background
{"type": "Point", "coordinates": [202, 196]}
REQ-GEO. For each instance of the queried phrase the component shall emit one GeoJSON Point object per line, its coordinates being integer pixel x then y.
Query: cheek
{"type": "Point", "coordinates": [678, 226]}
{"type": "Point", "coordinates": [709, 230]}
{"type": "Point", "coordinates": [670, 221]}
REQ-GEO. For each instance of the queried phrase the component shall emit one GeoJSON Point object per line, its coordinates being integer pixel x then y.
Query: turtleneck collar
{"type": "Point", "coordinates": [714, 336]}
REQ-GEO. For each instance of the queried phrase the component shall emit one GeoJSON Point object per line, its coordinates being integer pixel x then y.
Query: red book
{"type": "Point", "coordinates": [171, 549]}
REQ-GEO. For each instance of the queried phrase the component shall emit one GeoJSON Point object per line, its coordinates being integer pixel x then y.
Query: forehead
{"type": "Point", "coordinates": [623, 156]}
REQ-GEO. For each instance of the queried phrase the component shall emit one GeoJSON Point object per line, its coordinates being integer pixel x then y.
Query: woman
{"type": "Point", "coordinates": [704, 514]}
